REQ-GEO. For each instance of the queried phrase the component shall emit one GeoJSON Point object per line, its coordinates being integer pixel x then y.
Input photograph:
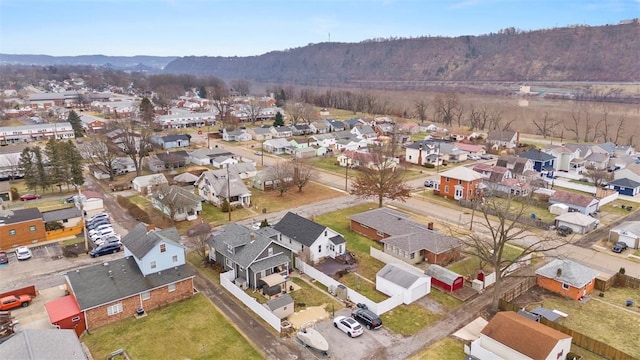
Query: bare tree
{"type": "Point", "coordinates": [242, 86]}
{"type": "Point", "coordinates": [495, 118]}
{"type": "Point", "coordinates": [198, 238]}
{"type": "Point", "coordinates": [445, 107]}
{"type": "Point", "coordinates": [382, 179]}
{"type": "Point", "coordinates": [97, 153]}
{"type": "Point", "coordinates": [499, 226]}
{"type": "Point", "coordinates": [599, 177]}
{"type": "Point", "coordinates": [544, 125]}
{"type": "Point", "coordinates": [253, 109]}
{"type": "Point", "coordinates": [281, 174]}
{"type": "Point", "coordinates": [458, 113]}
{"type": "Point", "coordinates": [135, 143]}
{"type": "Point", "coordinates": [574, 125]}
{"type": "Point", "coordinates": [420, 107]}
{"type": "Point", "coordinates": [172, 200]}
{"type": "Point", "coordinates": [221, 102]}
{"type": "Point", "coordinates": [303, 172]}
{"type": "Point", "coordinates": [587, 126]}
{"type": "Point", "coordinates": [620, 130]}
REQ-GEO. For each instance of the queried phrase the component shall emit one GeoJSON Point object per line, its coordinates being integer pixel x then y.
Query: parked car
{"type": "Point", "coordinates": [14, 301]}
{"type": "Point", "coordinates": [348, 326]}
{"type": "Point", "coordinates": [95, 224]}
{"type": "Point", "coordinates": [27, 197]}
{"type": "Point", "coordinates": [619, 247]}
{"type": "Point", "coordinates": [257, 153]}
{"type": "Point", "coordinates": [99, 228]}
{"type": "Point", "coordinates": [473, 157]}
{"type": "Point", "coordinates": [486, 157]}
{"type": "Point", "coordinates": [102, 234]}
{"type": "Point", "coordinates": [23, 253]}
{"type": "Point", "coordinates": [4, 259]}
{"type": "Point", "coordinates": [107, 239]}
{"type": "Point", "coordinates": [367, 317]}
{"type": "Point", "coordinates": [105, 249]}
{"type": "Point", "coordinates": [98, 216]}
{"type": "Point", "coordinates": [70, 199]}
{"type": "Point", "coordinates": [564, 230]}
{"type": "Point", "coordinates": [429, 183]}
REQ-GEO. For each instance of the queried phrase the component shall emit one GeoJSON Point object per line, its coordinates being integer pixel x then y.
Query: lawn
{"type": "Point", "coordinates": [448, 302]}
{"type": "Point", "coordinates": [189, 329]}
{"type": "Point", "coordinates": [445, 349]}
{"type": "Point", "coordinates": [273, 202]}
{"type": "Point", "coordinates": [358, 244]}
{"type": "Point", "coordinates": [194, 259]}
{"type": "Point", "coordinates": [408, 320]}
{"type": "Point", "coordinates": [600, 320]}
{"type": "Point", "coordinates": [363, 287]}
{"type": "Point", "coordinates": [470, 264]}
{"type": "Point", "coordinates": [310, 296]}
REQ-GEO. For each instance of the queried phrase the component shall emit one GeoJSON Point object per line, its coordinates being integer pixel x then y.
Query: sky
{"type": "Point", "coordinates": [255, 27]}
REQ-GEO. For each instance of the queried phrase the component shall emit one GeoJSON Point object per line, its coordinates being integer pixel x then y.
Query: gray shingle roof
{"type": "Point", "coordinates": [170, 138]}
{"type": "Point", "coordinates": [537, 155]}
{"type": "Point", "coordinates": [279, 302]}
{"type": "Point", "coordinates": [62, 214]}
{"type": "Point", "coordinates": [398, 275]}
{"type": "Point", "coordinates": [338, 239]}
{"type": "Point", "coordinates": [383, 219]}
{"type": "Point", "coordinates": [442, 273]}
{"type": "Point", "coordinates": [35, 344]}
{"type": "Point", "coordinates": [92, 286]}
{"type": "Point", "coordinates": [297, 228]}
{"type": "Point", "coordinates": [140, 241]}
{"type": "Point", "coordinates": [269, 263]}
{"type": "Point", "coordinates": [429, 240]}
{"type": "Point", "coordinates": [568, 272]}
{"type": "Point", "coordinates": [238, 237]}
{"type": "Point", "coordinates": [19, 215]}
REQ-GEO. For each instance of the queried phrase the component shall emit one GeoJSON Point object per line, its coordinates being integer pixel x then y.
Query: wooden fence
{"type": "Point", "coordinates": [627, 281]}
{"type": "Point", "coordinates": [519, 290]}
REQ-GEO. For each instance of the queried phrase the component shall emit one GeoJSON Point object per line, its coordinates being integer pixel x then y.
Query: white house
{"type": "Point", "coordinates": [216, 185]}
{"type": "Point", "coordinates": [144, 184]}
{"type": "Point", "coordinates": [299, 234]}
{"type": "Point", "coordinates": [511, 336]}
{"type": "Point", "coordinates": [91, 202]}
{"type": "Point", "coordinates": [154, 250]}
{"type": "Point", "coordinates": [183, 203]}
{"type": "Point", "coordinates": [395, 280]}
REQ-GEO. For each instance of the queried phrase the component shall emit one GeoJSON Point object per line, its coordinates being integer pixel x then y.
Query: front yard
{"type": "Point", "coordinates": [189, 329]}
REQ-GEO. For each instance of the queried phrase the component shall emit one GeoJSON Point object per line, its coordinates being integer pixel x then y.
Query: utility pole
{"type": "Point", "coordinates": [229, 192]}
{"type": "Point", "coordinates": [84, 222]}
{"type": "Point", "coordinates": [346, 176]}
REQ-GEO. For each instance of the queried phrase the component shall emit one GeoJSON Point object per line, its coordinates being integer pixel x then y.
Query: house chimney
{"type": "Point", "coordinates": [252, 237]}
{"type": "Point", "coordinates": [150, 227]}
{"type": "Point", "coordinates": [559, 272]}
{"type": "Point", "coordinates": [517, 138]}
{"type": "Point", "coordinates": [430, 225]}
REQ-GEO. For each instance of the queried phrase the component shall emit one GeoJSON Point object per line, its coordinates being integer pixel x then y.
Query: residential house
{"type": "Point", "coordinates": [631, 172]}
{"type": "Point", "coordinates": [567, 278]}
{"type": "Point", "coordinates": [423, 152]}
{"type": "Point", "coordinates": [239, 135]}
{"type": "Point", "coordinates": [351, 144]}
{"type": "Point", "coordinates": [277, 146]}
{"type": "Point", "coordinates": [503, 338]}
{"type": "Point", "coordinates": [171, 141]}
{"type": "Point", "coordinates": [301, 129]}
{"type": "Point", "coordinates": [90, 125]}
{"type": "Point", "coordinates": [625, 186]}
{"type": "Point", "coordinates": [305, 153]}
{"type": "Point", "coordinates": [305, 236]}
{"type": "Point", "coordinates": [585, 204]}
{"type": "Point", "coordinates": [280, 132]}
{"type": "Point", "coordinates": [319, 127]}
{"type": "Point", "coordinates": [215, 186]}
{"type": "Point", "coordinates": [579, 223]}
{"type": "Point", "coordinates": [406, 239]}
{"type": "Point", "coordinates": [335, 125]}
{"type": "Point", "coordinates": [470, 149]}
{"type": "Point", "coordinates": [261, 133]}
{"type": "Point", "coordinates": [69, 218]}
{"type": "Point", "coordinates": [121, 139]}
{"type": "Point", "coordinates": [409, 128]}
{"type": "Point", "coordinates": [10, 168]}
{"type": "Point", "coordinates": [325, 140]}
{"type": "Point", "coordinates": [5, 193]}
{"type": "Point", "coordinates": [394, 280]}
{"type": "Point", "coordinates": [598, 161]}
{"type": "Point", "coordinates": [119, 166]}
{"type": "Point", "coordinates": [364, 159]}
{"type": "Point", "coordinates": [222, 161]}
{"type": "Point", "coordinates": [515, 187]}
{"type": "Point", "coordinates": [521, 168]}
{"type": "Point", "coordinates": [145, 184]}
{"type": "Point", "coordinates": [37, 132]}
{"type": "Point", "coordinates": [206, 156]}
{"type": "Point", "coordinates": [21, 227]}
{"type": "Point", "coordinates": [542, 162]}
{"type": "Point", "coordinates": [253, 255]}
{"type": "Point", "coordinates": [167, 161]}
{"type": "Point", "coordinates": [363, 131]}
{"type": "Point", "coordinates": [153, 273]}
{"type": "Point", "coordinates": [566, 159]}
{"type": "Point", "coordinates": [459, 183]}
{"type": "Point", "coordinates": [627, 232]}
{"type": "Point", "coordinates": [34, 344]}
{"type": "Point", "coordinates": [177, 202]}
{"type": "Point", "coordinates": [503, 139]}
{"type": "Point", "coordinates": [268, 179]}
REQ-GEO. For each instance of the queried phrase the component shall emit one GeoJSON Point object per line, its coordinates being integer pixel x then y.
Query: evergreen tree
{"type": "Point", "coordinates": [57, 164]}
{"type": "Point", "coordinates": [76, 124]}
{"type": "Point", "coordinates": [202, 92]}
{"type": "Point", "coordinates": [225, 207]}
{"type": "Point", "coordinates": [41, 171]}
{"type": "Point", "coordinates": [146, 111]}
{"type": "Point", "coordinates": [278, 120]}
{"type": "Point", "coordinates": [28, 168]}
{"type": "Point", "coordinates": [74, 159]}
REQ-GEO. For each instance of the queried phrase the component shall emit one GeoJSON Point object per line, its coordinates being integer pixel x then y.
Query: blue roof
{"type": "Point", "coordinates": [537, 155]}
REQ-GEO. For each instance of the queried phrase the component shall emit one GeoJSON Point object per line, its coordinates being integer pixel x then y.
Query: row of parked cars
{"type": "Point", "coordinates": [360, 315]}
{"type": "Point", "coordinates": [103, 235]}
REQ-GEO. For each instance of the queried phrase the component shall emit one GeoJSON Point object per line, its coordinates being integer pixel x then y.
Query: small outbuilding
{"type": "Point", "coordinates": [579, 223]}
{"type": "Point", "coordinates": [65, 313]}
{"type": "Point", "coordinates": [395, 280]}
{"type": "Point", "coordinates": [444, 278]}
{"type": "Point", "coordinates": [281, 306]}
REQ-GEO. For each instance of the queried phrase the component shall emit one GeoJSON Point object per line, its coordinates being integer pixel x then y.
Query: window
{"type": "Point", "coordinates": [227, 262]}
{"type": "Point", "coordinates": [229, 248]}
{"type": "Point", "coordinates": [459, 182]}
{"type": "Point", "coordinates": [446, 189]}
{"type": "Point", "coordinates": [32, 228]}
{"type": "Point", "coordinates": [565, 286]}
{"type": "Point", "coordinates": [153, 264]}
{"type": "Point", "coordinates": [380, 233]}
{"type": "Point", "coordinates": [171, 287]}
{"type": "Point", "coordinates": [146, 295]}
{"type": "Point", "coordinates": [12, 232]}
{"type": "Point", "coordinates": [163, 248]}
{"type": "Point", "coordinates": [174, 258]}
{"type": "Point", "coordinates": [270, 251]}
{"type": "Point", "coordinates": [325, 233]}
{"type": "Point", "coordinates": [413, 255]}
{"type": "Point", "coordinates": [319, 248]}
{"type": "Point", "coordinates": [446, 179]}
{"type": "Point", "coordinates": [75, 318]}
{"type": "Point", "coordinates": [114, 309]}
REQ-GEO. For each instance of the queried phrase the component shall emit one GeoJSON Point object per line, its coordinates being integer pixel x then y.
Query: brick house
{"type": "Point", "coordinates": [567, 278]}
{"type": "Point", "coordinates": [21, 227]}
{"type": "Point", "coordinates": [153, 273]}
{"type": "Point", "coordinates": [459, 183]}
{"type": "Point", "coordinates": [404, 238]}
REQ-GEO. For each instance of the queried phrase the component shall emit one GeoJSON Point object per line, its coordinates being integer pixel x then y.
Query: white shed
{"type": "Point", "coordinates": [393, 280]}
{"type": "Point", "coordinates": [558, 209]}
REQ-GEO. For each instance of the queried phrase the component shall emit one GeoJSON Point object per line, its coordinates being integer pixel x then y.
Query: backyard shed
{"type": "Point", "coordinates": [281, 306]}
{"type": "Point", "coordinates": [444, 278]}
{"type": "Point", "coordinates": [558, 209]}
{"type": "Point", "coordinates": [393, 280]}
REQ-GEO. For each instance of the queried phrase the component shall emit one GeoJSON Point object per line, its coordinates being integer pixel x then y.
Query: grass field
{"type": "Point", "coordinates": [189, 329]}
{"type": "Point", "coordinates": [445, 349]}
{"type": "Point", "coordinates": [408, 320]}
{"type": "Point", "coordinates": [363, 287]}
{"type": "Point", "coordinates": [310, 296]}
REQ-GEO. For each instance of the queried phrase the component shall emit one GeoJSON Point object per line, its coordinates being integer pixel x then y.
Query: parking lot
{"type": "Point", "coordinates": [370, 345]}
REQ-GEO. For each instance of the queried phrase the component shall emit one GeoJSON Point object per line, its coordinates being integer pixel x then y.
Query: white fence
{"type": "Point", "coordinates": [352, 295]}
{"type": "Point", "coordinates": [607, 199]}
{"type": "Point", "coordinates": [226, 279]}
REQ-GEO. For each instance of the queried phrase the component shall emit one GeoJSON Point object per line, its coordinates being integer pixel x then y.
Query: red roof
{"type": "Point", "coordinates": [62, 308]}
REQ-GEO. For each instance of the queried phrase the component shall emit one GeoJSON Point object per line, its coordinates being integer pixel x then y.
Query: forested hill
{"type": "Point", "coordinates": [600, 53]}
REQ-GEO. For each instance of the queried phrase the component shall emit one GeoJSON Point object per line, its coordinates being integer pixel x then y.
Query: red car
{"type": "Point", "coordinates": [26, 197]}
{"type": "Point", "coordinates": [4, 259]}
{"type": "Point", "coordinates": [14, 301]}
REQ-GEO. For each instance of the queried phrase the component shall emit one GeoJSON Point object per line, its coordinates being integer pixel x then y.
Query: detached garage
{"type": "Point", "coordinates": [444, 278]}
{"type": "Point", "coordinates": [393, 280]}
{"type": "Point", "coordinates": [579, 223]}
